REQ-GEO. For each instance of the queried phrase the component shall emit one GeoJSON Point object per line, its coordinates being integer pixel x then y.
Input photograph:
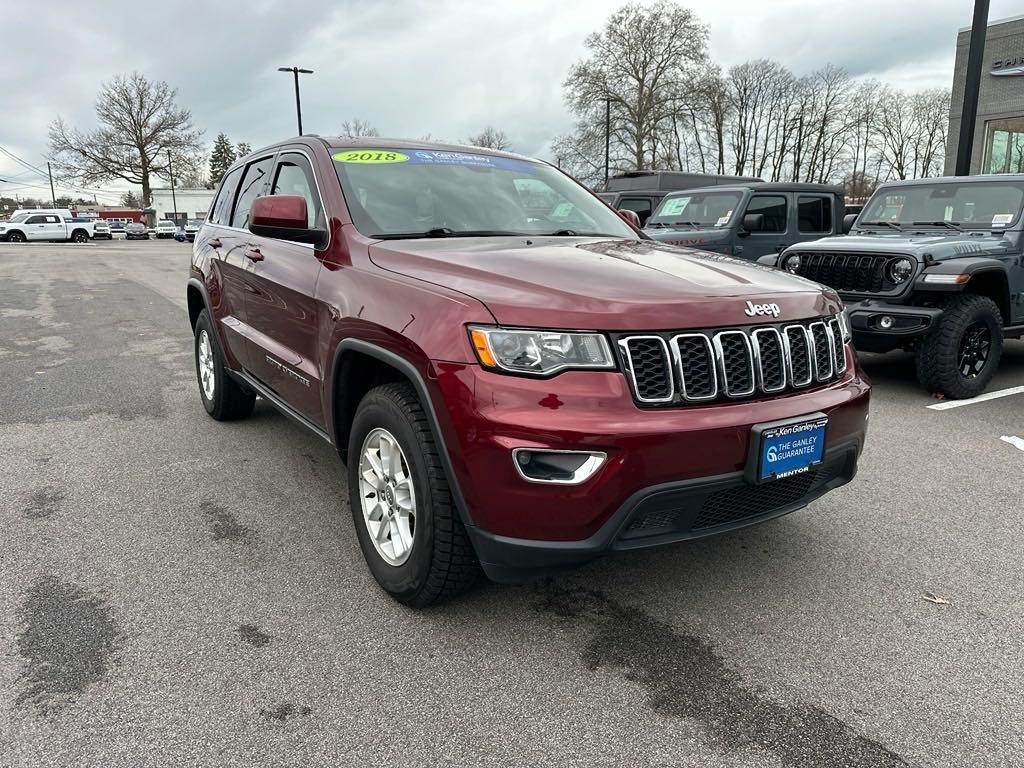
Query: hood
{"type": "Point", "coordinates": [710, 239]}
{"type": "Point", "coordinates": [588, 283]}
{"type": "Point", "coordinates": [937, 245]}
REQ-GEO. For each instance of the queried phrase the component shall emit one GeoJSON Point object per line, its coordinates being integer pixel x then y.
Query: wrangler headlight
{"type": "Point", "coordinates": [539, 353]}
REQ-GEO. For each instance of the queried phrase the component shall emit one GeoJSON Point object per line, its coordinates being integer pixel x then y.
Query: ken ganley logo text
{"type": "Point", "coordinates": [753, 310]}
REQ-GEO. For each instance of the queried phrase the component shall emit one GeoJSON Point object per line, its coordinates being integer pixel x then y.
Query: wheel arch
{"type": "Point", "coordinates": [198, 300]}
{"type": "Point", "coordinates": [993, 284]}
{"type": "Point", "coordinates": [358, 367]}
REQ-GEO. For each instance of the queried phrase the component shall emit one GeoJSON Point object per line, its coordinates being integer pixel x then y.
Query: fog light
{"type": "Point", "coordinates": [558, 467]}
{"type": "Point", "coordinates": [885, 322]}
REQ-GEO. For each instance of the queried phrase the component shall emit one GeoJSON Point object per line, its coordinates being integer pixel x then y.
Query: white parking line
{"type": "Point", "coordinates": [945, 406]}
{"type": "Point", "coordinates": [1016, 442]}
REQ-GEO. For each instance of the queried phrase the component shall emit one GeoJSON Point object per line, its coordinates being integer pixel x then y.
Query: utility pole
{"type": "Point", "coordinates": [607, 137]}
{"type": "Point", "coordinates": [174, 200]}
{"type": "Point", "coordinates": [53, 195]}
{"type": "Point", "coordinates": [969, 115]}
{"type": "Point", "coordinates": [296, 71]}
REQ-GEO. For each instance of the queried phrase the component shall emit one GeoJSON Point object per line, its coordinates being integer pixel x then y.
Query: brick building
{"type": "Point", "coordinates": [999, 131]}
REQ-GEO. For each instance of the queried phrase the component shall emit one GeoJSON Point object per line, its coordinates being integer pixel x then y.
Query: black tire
{"type": "Point", "coordinates": [16, 237]}
{"type": "Point", "coordinates": [941, 358]}
{"type": "Point", "coordinates": [79, 236]}
{"type": "Point", "coordinates": [441, 562]}
{"type": "Point", "coordinates": [229, 399]}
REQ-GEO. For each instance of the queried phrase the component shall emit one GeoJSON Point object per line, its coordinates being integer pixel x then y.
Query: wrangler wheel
{"type": "Point", "coordinates": [961, 353]}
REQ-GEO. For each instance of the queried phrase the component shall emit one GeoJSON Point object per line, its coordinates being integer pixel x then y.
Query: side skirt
{"type": "Point", "coordinates": [278, 403]}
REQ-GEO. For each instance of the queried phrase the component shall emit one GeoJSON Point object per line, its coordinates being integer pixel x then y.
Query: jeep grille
{"type": "Point", "coordinates": [671, 368]}
{"type": "Point", "coordinates": [849, 272]}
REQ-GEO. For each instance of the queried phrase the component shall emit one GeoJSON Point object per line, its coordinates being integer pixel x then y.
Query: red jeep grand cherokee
{"type": "Point", "coordinates": [515, 377]}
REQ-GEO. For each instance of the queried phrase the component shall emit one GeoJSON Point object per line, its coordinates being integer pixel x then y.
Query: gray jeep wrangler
{"type": "Point", "coordinates": [932, 266]}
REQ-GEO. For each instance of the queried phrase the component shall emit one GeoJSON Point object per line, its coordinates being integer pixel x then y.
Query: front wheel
{"type": "Point", "coordinates": [408, 528]}
{"type": "Point", "coordinates": [961, 353]}
{"type": "Point", "coordinates": [16, 237]}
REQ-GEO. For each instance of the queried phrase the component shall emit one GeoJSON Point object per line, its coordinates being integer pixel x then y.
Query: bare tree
{"type": "Point", "coordinates": [640, 65]}
{"type": "Point", "coordinates": [490, 138]}
{"type": "Point", "coordinates": [353, 129]}
{"type": "Point", "coordinates": [139, 126]}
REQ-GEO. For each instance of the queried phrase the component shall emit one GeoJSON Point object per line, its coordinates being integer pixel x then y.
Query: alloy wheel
{"type": "Point", "coordinates": [206, 370]}
{"type": "Point", "coordinates": [975, 345]}
{"type": "Point", "coordinates": [387, 496]}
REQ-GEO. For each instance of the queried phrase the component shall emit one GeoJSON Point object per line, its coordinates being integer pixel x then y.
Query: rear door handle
{"type": "Point", "coordinates": [254, 255]}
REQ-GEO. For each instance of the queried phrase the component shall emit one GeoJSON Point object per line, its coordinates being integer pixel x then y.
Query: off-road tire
{"type": "Point", "coordinates": [938, 356]}
{"type": "Point", "coordinates": [230, 400]}
{"type": "Point", "coordinates": [16, 237]}
{"type": "Point", "coordinates": [442, 562]}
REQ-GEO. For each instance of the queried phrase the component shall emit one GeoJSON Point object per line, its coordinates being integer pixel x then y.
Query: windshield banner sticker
{"type": "Point", "coordinates": [673, 206]}
{"type": "Point", "coordinates": [431, 157]}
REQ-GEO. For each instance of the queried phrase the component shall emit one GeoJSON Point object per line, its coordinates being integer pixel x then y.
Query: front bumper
{"type": "Point", "coordinates": [908, 322]}
{"type": "Point", "coordinates": [687, 461]}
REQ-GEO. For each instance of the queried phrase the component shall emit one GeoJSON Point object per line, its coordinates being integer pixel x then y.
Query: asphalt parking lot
{"type": "Point", "coordinates": [178, 591]}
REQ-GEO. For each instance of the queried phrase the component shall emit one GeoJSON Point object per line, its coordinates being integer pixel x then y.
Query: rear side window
{"type": "Point", "coordinates": [295, 177]}
{"type": "Point", "coordinates": [254, 184]}
{"type": "Point", "coordinates": [53, 220]}
{"type": "Point", "coordinates": [815, 214]}
{"type": "Point", "coordinates": [221, 211]}
{"type": "Point", "coordinates": [773, 208]}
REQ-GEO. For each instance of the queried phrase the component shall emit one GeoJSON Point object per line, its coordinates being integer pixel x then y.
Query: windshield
{"type": "Point", "coordinates": [988, 204]}
{"type": "Point", "coordinates": [195, 222]}
{"type": "Point", "coordinates": [428, 193]}
{"type": "Point", "coordinates": [701, 209]}
{"type": "Point", "coordinates": [19, 217]}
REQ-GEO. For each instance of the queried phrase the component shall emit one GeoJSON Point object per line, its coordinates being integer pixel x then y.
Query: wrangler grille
{"type": "Point", "coordinates": [705, 366]}
{"type": "Point", "coordinates": [849, 272]}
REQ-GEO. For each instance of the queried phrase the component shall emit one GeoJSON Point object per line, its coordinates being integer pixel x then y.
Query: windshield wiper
{"type": "Point", "coordinates": [947, 224]}
{"type": "Point", "coordinates": [446, 232]}
{"type": "Point", "coordinates": [576, 233]}
{"type": "Point", "coordinates": [890, 224]}
{"type": "Point", "coordinates": [658, 224]}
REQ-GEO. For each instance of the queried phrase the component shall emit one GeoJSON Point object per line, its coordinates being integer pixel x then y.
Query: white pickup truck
{"type": "Point", "coordinates": [55, 225]}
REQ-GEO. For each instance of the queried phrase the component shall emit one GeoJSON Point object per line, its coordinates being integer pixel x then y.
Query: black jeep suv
{"type": "Point", "coordinates": [932, 266]}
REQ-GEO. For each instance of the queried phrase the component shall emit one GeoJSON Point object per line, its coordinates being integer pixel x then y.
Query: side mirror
{"type": "Point", "coordinates": [285, 218]}
{"type": "Point", "coordinates": [848, 221]}
{"type": "Point", "coordinates": [630, 217]}
{"type": "Point", "coordinates": [753, 222]}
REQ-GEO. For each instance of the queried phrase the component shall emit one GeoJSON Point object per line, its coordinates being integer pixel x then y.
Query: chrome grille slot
{"type": "Point", "coordinates": [695, 362]}
{"type": "Point", "coordinates": [824, 354]}
{"type": "Point", "coordinates": [648, 365]}
{"type": "Point", "coordinates": [672, 368]}
{"type": "Point", "coordinates": [838, 345]}
{"type": "Point", "coordinates": [735, 363]}
{"type": "Point", "coordinates": [770, 358]}
{"type": "Point", "coordinates": [798, 352]}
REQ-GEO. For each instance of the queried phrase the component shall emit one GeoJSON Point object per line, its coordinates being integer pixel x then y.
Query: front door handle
{"type": "Point", "coordinates": [215, 243]}
{"type": "Point", "coordinates": [254, 254]}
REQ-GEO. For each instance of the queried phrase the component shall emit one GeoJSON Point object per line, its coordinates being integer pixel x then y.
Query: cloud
{"type": "Point", "coordinates": [412, 67]}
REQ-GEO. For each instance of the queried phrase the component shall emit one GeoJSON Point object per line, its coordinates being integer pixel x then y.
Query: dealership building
{"type": "Point", "coordinates": [999, 130]}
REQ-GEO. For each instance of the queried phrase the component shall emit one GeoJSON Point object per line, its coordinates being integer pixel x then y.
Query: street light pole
{"type": "Point", "coordinates": [296, 71]}
{"type": "Point", "coordinates": [174, 200]}
{"type": "Point", "coordinates": [969, 115]}
{"type": "Point", "coordinates": [607, 137]}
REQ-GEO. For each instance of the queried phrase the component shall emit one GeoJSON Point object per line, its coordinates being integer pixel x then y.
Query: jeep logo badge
{"type": "Point", "coordinates": [753, 310]}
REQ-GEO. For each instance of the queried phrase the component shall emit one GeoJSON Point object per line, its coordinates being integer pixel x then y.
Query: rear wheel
{"type": "Point", "coordinates": [223, 398]}
{"type": "Point", "coordinates": [79, 236]}
{"type": "Point", "coordinates": [408, 528]}
{"type": "Point", "coordinates": [961, 353]}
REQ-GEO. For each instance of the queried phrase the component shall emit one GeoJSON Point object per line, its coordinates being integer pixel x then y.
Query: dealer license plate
{"type": "Point", "coordinates": [790, 449]}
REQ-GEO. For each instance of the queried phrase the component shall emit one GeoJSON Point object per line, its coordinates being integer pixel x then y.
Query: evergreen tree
{"type": "Point", "coordinates": [243, 149]}
{"type": "Point", "coordinates": [221, 158]}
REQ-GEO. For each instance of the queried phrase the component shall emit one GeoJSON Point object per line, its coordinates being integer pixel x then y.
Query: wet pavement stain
{"type": "Point", "coordinates": [68, 639]}
{"type": "Point", "coordinates": [685, 678]}
{"type": "Point", "coordinates": [283, 711]}
{"type": "Point", "coordinates": [253, 636]}
{"type": "Point", "coordinates": [223, 524]}
{"type": "Point", "coordinates": [43, 503]}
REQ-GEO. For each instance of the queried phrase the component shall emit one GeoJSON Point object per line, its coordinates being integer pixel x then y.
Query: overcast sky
{"type": "Point", "coordinates": [412, 67]}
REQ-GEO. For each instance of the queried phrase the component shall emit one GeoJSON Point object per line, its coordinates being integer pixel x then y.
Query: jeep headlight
{"type": "Point", "coordinates": [901, 269]}
{"type": "Point", "coordinates": [538, 352]}
{"type": "Point", "coordinates": [791, 263]}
